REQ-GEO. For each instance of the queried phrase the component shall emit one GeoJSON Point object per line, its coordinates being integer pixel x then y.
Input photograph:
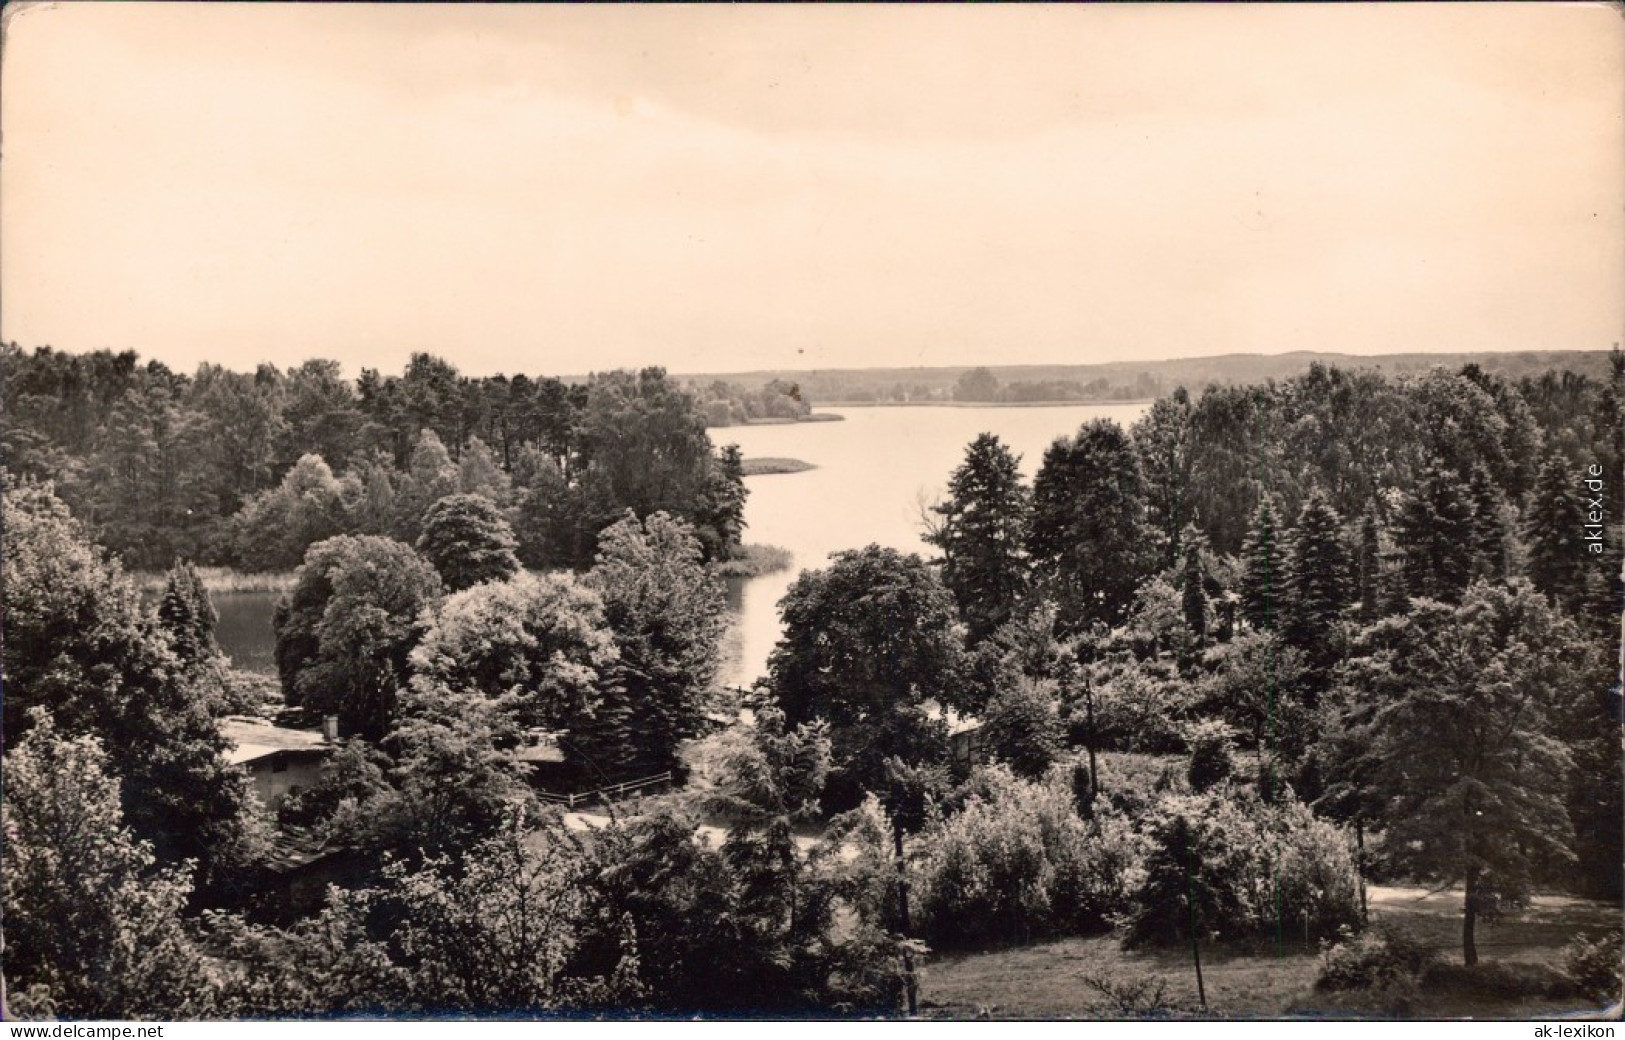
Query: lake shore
{"type": "Point", "coordinates": [813, 417]}
{"type": "Point", "coordinates": [221, 579]}
{"type": "Point", "coordinates": [756, 561]}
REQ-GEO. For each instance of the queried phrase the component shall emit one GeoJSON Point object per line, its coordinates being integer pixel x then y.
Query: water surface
{"type": "Point", "coordinates": [876, 473]}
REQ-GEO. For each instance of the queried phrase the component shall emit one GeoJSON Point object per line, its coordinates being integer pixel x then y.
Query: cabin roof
{"type": "Point", "coordinates": [257, 738]}
{"type": "Point", "coordinates": [291, 848]}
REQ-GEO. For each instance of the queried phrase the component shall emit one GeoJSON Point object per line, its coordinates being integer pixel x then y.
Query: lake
{"type": "Point", "coordinates": [876, 473]}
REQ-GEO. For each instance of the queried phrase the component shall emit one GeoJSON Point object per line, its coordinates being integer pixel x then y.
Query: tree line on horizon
{"type": "Point", "coordinates": [248, 469]}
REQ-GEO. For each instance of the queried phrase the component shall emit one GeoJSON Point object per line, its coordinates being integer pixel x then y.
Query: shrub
{"type": "Point", "coordinates": [1142, 997]}
{"type": "Point", "coordinates": [1137, 708]}
{"type": "Point", "coordinates": [1017, 863]}
{"type": "Point", "coordinates": [1021, 728]}
{"type": "Point", "coordinates": [1595, 964]}
{"type": "Point", "coordinates": [1248, 869]}
{"type": "Point", "coordinates": [1382, 957]}
{"type": "Point", "coordinates": [1134, 783]}
{"type": "Point", "coordinates": [1504, 980]}
{"type": "Point", "coordinates": [1211, 754]}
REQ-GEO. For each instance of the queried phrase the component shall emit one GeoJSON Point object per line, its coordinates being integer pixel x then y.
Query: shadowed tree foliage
{"type": "Point", "coordinates": [80, 644]}
{"type": "Point", "coordinates": [343, 632]}
{"type": "Point", "coordinates": [1461, 748]}
{"type": "Point", "coordinates": [468, 541]}
{"type": "Point", "coordinates": [665, 609]}
{"type": "Point", "coordinates": [93, 925]}
{"type": "Point", "coordinates": [869, 645]}
{"type": "Point", "coordinates": [1089, 543]}
{"type": "Point", "coordinates": [1192, 591]}
{"type": "Point", "coordinates": [982, 534]}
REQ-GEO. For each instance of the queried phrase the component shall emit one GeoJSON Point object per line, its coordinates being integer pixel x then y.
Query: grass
{"type": "Point", "coordinates": [1051, 980]}
{"type": "Point", "coordinates": [764, 466]}
{"type": "Point", "coordinates": [222, 579]}
{"type": "Point", "coordinates": [756, 561]}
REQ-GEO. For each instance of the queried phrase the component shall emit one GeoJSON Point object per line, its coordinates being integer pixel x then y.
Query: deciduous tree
{"type": "Point", "coordinates": [344, 631]}
{"type": "Point", "coordinates": [1088, 540]}
{"type": "Point", "coordinates": [468, 541]}
{"type": "Point", "coordinates": [869, 645]}
{"type": "Point", "coordinates": [1461, 748]}
{"type": "Point", "coordinates": [93, 924]}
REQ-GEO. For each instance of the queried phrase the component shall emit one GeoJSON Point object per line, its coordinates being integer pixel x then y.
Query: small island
{"type": "Point", "coordinates": [764, 466]}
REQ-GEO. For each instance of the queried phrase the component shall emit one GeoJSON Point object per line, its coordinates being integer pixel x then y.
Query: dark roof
{"type": "Point", "coordinates": [294, 847]}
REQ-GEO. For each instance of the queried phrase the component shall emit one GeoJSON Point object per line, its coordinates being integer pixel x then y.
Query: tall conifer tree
{"type": "Point", "coordinates": [981, 535]}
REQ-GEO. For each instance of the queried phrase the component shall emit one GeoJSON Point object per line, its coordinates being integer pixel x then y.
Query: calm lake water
{"type": "Point", "coordinates": [876, 472]}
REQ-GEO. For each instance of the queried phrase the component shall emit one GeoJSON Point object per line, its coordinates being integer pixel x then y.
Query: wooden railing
{"type": "Point", "coordinates": [613, 792]}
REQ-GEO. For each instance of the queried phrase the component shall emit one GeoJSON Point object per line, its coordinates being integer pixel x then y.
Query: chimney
{"type": "Point", "coordinates": [330, 728]}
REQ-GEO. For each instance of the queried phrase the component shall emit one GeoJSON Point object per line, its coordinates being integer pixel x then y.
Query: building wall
{"type": "Point", "coordinates": [276, 774]}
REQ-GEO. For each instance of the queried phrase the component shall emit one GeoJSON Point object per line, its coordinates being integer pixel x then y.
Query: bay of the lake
{"type": "Point", "coordinates": [876, 472]}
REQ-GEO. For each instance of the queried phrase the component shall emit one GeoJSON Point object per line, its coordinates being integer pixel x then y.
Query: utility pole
{"type": "Point", "coordinates": [910, 984]}
{"type": "Point", "coordinates": [1190, 903]}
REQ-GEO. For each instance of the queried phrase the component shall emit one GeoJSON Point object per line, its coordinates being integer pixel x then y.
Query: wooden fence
{"type": "Point", "coordinates": [614, 792]}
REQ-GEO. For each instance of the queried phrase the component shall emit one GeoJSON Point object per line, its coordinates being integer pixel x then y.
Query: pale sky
{"type": "Point", "coordinates": [557, 189]}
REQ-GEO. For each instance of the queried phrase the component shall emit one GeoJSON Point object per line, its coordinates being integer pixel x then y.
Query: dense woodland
{"type": "Point", "coordinates": [1271, 642]}
{"type": "Point", "coordinates": [249, 469]}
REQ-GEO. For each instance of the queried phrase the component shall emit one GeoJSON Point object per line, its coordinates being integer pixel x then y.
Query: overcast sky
{"type": "Point", "coordinates": [561, 189]}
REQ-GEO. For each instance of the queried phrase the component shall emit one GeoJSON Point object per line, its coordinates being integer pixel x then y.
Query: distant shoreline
{"type": "Point", "coordinates": [814, 417]}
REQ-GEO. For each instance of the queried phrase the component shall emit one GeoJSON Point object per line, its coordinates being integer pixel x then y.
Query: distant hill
{"type": "Point", "coordinates": [1121, 380]}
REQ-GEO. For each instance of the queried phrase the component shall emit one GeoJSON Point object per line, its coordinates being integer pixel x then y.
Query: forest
{"type": "Point", "coordinates": [247, 470]}
{"type": "Point", "coordinates": [1198, 683]}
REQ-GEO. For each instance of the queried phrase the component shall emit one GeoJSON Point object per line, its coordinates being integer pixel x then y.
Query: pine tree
{"type": "Point", "coordinates": [981, 536]}
{"type": "Point", "coordinates": [1489, 530]}
{"type": "Point", "coordinates": [1193, 597]}
{"type": "Point", "coordinates": [1261, 577]}
{"type": "Point", "coordinates": [666, 611]}
{"type": "Point", "coordinates": [186, 613]}
{"type": "Point", "coordinates": [1434, 533]}
{"type": "Point", "coordinates": [1554, 527]}
{"type": "Point", "coordinates": [1370, 568]}
{"type": "Point", "coordinates": [1316, 584]}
